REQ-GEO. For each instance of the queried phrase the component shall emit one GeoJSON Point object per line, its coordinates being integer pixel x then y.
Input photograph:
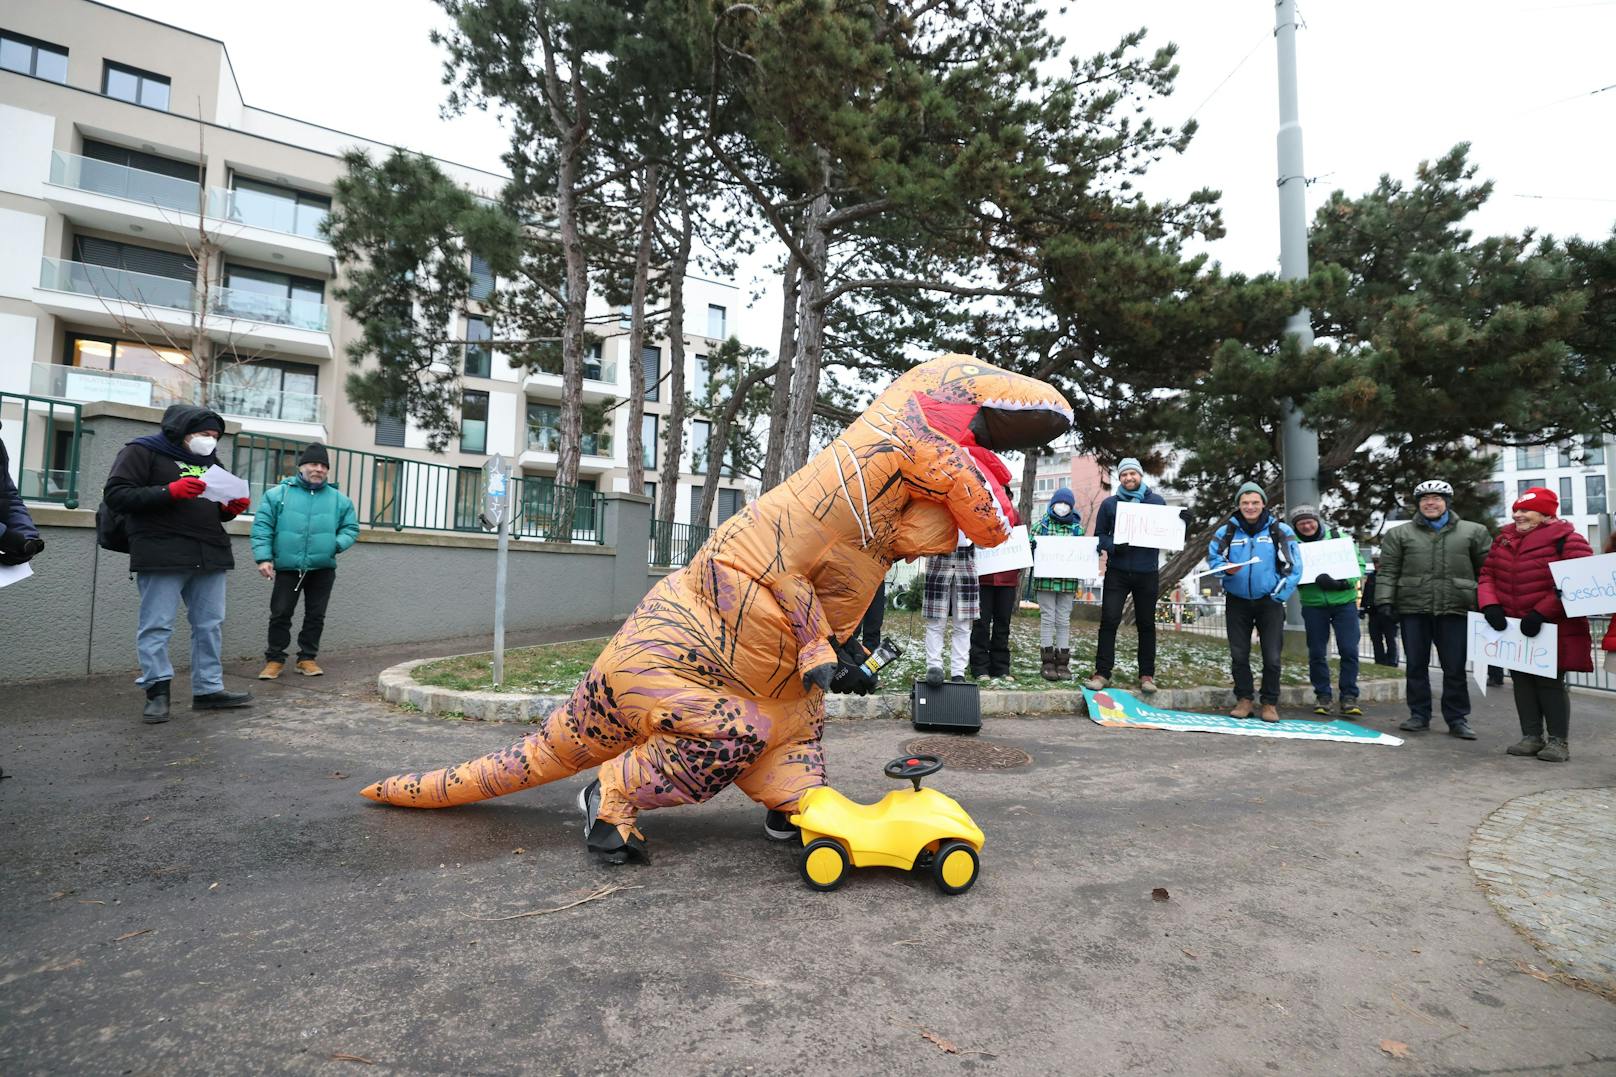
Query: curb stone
{"type": "Point", "coordinates": [397, 685]}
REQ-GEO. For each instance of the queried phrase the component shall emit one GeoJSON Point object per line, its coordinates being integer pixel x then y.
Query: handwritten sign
{"type": "Point", "coordinates": [1511, 649]}
{"type": "Point", "coordinates": [1066, 557]}
{"type": "Point", "coordinates": [1013, 553]}
{"type": "Point", "coordinates": [1157, 527]}
{"type": "Point", "coordinates": [1337, 557]}
{"type": "Point", "coordinates": [1587, 584]}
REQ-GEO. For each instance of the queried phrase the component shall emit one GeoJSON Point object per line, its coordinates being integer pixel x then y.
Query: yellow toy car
{"type": "Point", "coordinates": [906, 829]}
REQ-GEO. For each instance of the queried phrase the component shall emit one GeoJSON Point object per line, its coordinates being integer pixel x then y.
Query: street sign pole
{"type": "Point", "coordinates": [496, 511]}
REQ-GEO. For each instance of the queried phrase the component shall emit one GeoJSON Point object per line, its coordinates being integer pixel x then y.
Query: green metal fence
{"type": "Point", "coordinates": [674, 545]}
{"type": "Point", "coordinates": [390, 491]}
{"type": "Point", "coordinates": [45, 445]}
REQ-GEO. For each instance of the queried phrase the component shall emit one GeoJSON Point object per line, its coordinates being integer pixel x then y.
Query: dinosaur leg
{"type": "Point", "coordinates": [687, 761]}
{"type": "Point", "coordinates": [787, 770]}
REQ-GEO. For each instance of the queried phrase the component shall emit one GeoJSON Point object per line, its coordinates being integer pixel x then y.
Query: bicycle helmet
{"type": "Point", "coordinates": [1433, 486]}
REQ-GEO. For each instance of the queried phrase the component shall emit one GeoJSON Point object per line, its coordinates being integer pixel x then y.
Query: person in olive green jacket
{"type": "Point", "coordinates": [1328, 605]}
{"type": "Point", "coordinates": [300, 528]}
{"type": "Point", "coordinates": [1429, 569]}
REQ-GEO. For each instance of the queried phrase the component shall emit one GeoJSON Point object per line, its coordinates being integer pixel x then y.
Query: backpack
{"type": "Point", "coordinates": [111, 529]}
{"type": "Point", "coordinates": [1282, 553]}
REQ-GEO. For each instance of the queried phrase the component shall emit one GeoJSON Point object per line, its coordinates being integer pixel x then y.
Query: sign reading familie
{"type": "Point", "coordinates": [1157, 527]}
{"type": "Point", "coordinates": [1014, 552]}
{"type": "Point", "coordinates": [1512, 649]}
{"type": "Point", "coordinates": [1587, 585]}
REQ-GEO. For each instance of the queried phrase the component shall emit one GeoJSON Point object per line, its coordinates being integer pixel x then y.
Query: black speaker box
{"type": "Point", "coordinates": [951, 707]}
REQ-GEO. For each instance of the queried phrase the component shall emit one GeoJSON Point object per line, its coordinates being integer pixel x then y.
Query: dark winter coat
{"type": "Point", "coordinates": [14, 519]}
{"type": "Point", "coordinates": [300, 528]}
{"type": "Point", "coordinates": [1516, 576]}
{"type": "Point", "coordinates": [1124, 558]}
{"type": "Point", "coordinates": [168, 534]}
{"type": "Point", "coordinates": [1431, 571]}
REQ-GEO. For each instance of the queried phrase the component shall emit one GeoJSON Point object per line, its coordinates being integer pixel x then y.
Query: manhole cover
{"type": "Point", "coordinates": [969, 754]}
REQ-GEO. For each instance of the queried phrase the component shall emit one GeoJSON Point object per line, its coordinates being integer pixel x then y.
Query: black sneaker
{"type": "Point", "coordinates": [221, 700]}
{"type": "Point", "coordinates": [156, 709]}
{"type": "Point", "coordinates": [1321, 705]}
{"type": "Point", "coordinates": [1415, 725]}
{"type": "Point", "coordinates": [613, 846]}
{"type": "Point", "coordinates": [1461, 729]}
{"type": "Point", "coordinates": [777, 826]}
{"type": "Point", "coordinates": [958, 678]}
{"type": "Point", "coordinates": [1350, 708]}
{"type": "Point", "coordinates": [589, 804]}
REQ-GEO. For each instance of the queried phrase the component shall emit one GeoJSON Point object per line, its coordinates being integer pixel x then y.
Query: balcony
{"type": "Point", "coordinates": [85, 384]}
{"type": "Point", "coordinates": [259, 226]}
{"type": "Point", "coordinates": [270, 411]}
{"type": "Point", "coordinates": [600, 380]}
{"type": "Point", "coordinates": [262, 410]}
{"type": "Point", "coordinates": [125, 301]}
{"type": "Point", "coordinates": [544, 447]}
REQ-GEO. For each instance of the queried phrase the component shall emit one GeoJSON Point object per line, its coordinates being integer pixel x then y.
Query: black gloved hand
{"type": "Point", "coordinates": [853, 680]}
{"type": "Point", "coordinates": [1385, 610]}
{"type": "Point", "coordinates": [1344, 585]}
{"type": "Point", "coordinates": [1532, 623]}
{"type": "Point", "coordinates": [1495, 618]}
{"type": "Point", "coordinates": [16, 550]}
{"type": "Point", "coordinates": [819, 677]}
{"type": "Point", "coordinates": [1326, 581]}
{"type": "Point", "coordinates": [1184, 514]}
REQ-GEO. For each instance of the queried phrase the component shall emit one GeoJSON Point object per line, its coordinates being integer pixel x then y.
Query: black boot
{"type": "Point", "coordinates": [221, 700]}
{"type": "Point", "coordinates": [156, 703]}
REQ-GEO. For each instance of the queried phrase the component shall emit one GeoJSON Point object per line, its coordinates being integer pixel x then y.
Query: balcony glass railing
{"type": "Point", "coordinates": [548, 439]}
{"type": "Point", "coordinates": [262, 307]}
{"type": "Point", "coordinates": [601, 370]}
{"type": "Point", "coordinates": [247, 402]}
{"type": "Point", "coordinates": [84, 383]}
{"type": "Point", "coordinates": [259, 210]}
{"type": "Point", "coordinates": [121, 181]}
{"type": "Point", "coordinates": [116, 285]}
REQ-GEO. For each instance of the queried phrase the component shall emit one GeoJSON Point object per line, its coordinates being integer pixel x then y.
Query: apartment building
{"type": "Point", "coordinates": [1582, 473]}
{"type": "Point", "coordinates": [128, 154]}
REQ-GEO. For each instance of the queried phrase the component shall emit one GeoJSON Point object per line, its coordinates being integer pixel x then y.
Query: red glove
{"type": "Point", "coordinates": [238, 506]}
{"type": "Point", "coordinates": [188, 487]}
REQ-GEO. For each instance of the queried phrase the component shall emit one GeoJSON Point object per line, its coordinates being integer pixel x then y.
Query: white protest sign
{"type": "Point", "coordinates": [1014, 552]}
{"type": "Point", "coordinates": [1157, 527]}
{"type": "Point", "coordinates": [10, 574]}
{"type": "Point", "coordinates": [1587, 585]}
{"type": "Point", "coordinates": [1066, 557]}
{"type": "Point", "coordinates": [1539, 654]}
{"type": "Point", "coordinates": [1337, 557]}
{"type": "Point", "coordinates": [1222, 568]}
{"type": "Point", "coordinates": [223, 486]}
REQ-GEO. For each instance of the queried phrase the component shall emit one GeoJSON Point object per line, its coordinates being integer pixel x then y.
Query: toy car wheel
{"type": "Point", "coordinates": [955, 867]}
{"type": "Point", "coordinates": [824, 864]}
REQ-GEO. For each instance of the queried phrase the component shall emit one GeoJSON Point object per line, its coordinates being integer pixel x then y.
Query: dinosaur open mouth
{"type": "Point", "coordinates": [1002, 427]}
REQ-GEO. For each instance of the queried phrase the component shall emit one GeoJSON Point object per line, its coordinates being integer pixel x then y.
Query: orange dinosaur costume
{"type": "Point", "coordinates": [718, 676]}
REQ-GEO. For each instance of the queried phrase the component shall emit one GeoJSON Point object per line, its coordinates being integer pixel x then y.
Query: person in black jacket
{"type": "Point", "coordinates": [1382, 629]}
{"type": "Point", "coordinates": [19, 538]}
{"type": "Point", "coordinates": [178, 550]}
{"type": "Point", "coordinates": [1130, 571]}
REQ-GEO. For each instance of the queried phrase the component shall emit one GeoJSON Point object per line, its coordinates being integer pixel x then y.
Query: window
{"type": "Point", "coordinates": [1593, 451]}
{"type": "Point", "coordinates": [1595, 486]}
{"type": "Point", "coordinates": [468, 502]}
{"type": "Point", "coordinates": [698, 391]}
{"type": "Point", "coordinates": [140, 177]}
{"type": "Point", "coordinates": [700, 433]}
{"type": "Point", "coordinates": [1521, 485]}
{"type": "Point", "coordinates": [390, 426]}
{"type": "Point", "coordinates": [1566, 499]}
{"type": "Point", "coordinates": [729, 502]}
{"type": "Point", "coordinates": [150, 377]}
{"type": "Point", "coordinates": [386, 483]}
{"type": "Point", "coordinates": [715, 322]}
{"type": "Point", "coordinates": [651, 363]}
{"type": "Point", "coordinates": [625, 316]}
{"type": "Point", "coordinates": [693, 499]}
{"type": "Point", "coordinates": [133, 259]}
{"type": "Point", "coordinates": [1528, 456]}
{"type": "Point", "coordinates": [479, 357]}
{"type": "Point", "coordinates": [482, 280]}
{"type": "Point", "coordinates": [544, 427]}
{"type": "Point", "coordinates": [262, 295]}
{"type": "Point", "coordinates": [31, 56]}
{"type": "Point", "coordinates": [135, 86]}
{"type": "Point", "coordinates": [1492, 496]}
{"type": "Point", "coordinates": [474, 422]}
{"type": "Point", "coordinates": [268, 389]}
{"type": "Point", "coordinates": [279, 209]}
{"type": "Point", "coordinates": [648, 435]}
{"type": "Point", "coordinates": [592, 362]}
{"type": "Point", "coordinates": [650, 492]}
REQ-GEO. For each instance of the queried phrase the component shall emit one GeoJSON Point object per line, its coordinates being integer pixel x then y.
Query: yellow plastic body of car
{"type": "Point", "coordinates": [902, 828]}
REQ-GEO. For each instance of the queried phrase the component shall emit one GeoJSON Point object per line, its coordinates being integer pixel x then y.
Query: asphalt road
{"type": "Point", "coordinates": [212, 896]}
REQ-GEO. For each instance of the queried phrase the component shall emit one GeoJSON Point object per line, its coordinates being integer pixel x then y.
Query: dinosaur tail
{"type": "Point", "coordinates": [530, 761]}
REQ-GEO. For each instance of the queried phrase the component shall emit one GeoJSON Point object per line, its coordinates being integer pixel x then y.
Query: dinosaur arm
{"type": "Point", "coordinates": [809, 626]}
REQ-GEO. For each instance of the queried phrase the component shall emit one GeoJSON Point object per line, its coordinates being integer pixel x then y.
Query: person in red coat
{"type": "Point", "coordinates": [1516, 582]}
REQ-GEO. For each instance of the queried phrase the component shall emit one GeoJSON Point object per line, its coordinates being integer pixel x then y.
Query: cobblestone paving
{"type": "Point", "coordinates": [1548, 864]}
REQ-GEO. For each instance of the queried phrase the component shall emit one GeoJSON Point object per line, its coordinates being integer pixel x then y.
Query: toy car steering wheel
{"type": "Point", "coordinates": [912, 767]}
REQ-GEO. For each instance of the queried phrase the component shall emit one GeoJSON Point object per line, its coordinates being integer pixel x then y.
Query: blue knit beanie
{"type": "Point", "coordinates": [1063, 496]}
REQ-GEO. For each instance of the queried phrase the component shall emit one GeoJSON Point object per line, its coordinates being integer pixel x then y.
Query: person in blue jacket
{"type": "Point", "coordinates": [1262, 566]}
{"type": "Point", "coordinates": [300, 528]}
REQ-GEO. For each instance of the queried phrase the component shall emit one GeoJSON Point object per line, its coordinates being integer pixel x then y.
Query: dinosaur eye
{"type": "Point", "coordinates": [970, 369]}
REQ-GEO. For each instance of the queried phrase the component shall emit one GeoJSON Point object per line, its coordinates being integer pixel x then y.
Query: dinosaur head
{"type": "Point", "coordinates": [950, 417]}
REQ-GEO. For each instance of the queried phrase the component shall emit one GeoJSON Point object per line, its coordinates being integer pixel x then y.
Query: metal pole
{"type": "Point", "coordinates": [1300, 446]}
{"type": "Point", "coordinates": [499, 598]}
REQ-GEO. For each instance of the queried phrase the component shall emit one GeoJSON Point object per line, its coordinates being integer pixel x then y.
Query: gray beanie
{"type": "Point", "coordinates": [1129, 464]}
{"type": "Point", "coordinates": [1250, 488]}
{"type": "Point", "coordinates": [1305, 511]}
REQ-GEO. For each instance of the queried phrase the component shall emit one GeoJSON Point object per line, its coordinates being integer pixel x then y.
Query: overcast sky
{"type": "Point", "coordinates": [1383, 85]}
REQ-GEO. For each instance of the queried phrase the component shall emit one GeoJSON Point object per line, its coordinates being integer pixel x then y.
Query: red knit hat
{"type": "Point", "coordinates": [1538, 499]}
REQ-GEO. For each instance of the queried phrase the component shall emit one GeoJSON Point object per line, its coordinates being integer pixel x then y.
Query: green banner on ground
{"type": "Point", "coordinates": [1113, 707]}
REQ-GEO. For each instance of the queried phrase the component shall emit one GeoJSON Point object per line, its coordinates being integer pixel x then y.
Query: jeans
{"type": "Point", "coordinates": [1320, 620]}
{"type": "Point", "coordinates": [1055, 618]}
{"type": "Point", "coordinates": [990, 635]}
{"type": "Point", "coordinates": [1383, 634]}
{"type": "Point", "coordinates": [160, 597]}
{"type": "Point", "coordinates": [870, 627]}
{"type": "Point", "coordinates": [959, 644]}
{"type": "Point", "coordinates": [1145, 587]}
{"type": "Point", "coordinates": [1542, 701]}
{"type": "Point", "coordinates": [1448, 632]}
{"type": "Point", "coordinates": [316, 591]}
{"type": "Point", "coordinates": [1268, 618]}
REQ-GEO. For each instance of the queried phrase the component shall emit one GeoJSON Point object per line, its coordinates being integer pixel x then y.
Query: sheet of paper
{"type": "Point", "coordinates": [223, 486]}
{"type": "Point", "coordinates": [1587, 584]}
{"type": "Point", "coordinates": [1337, 557]}
{"type": "Point", "coordinates": [1066, 557]}
{"type": "Point", "coordinates": [1223, 568]}
{"type": "Point", "coordinates": [10, 574]}
{"type": "Point", "coordinates": [1158, 527]}
{"type": "Point", "coordinates": [1511, 649]}
{"type": "Point", "coordinates": [1013, 552]}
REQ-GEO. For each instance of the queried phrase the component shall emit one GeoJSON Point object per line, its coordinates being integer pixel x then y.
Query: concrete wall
{"type": "Point", "coordinates": [78, 613]}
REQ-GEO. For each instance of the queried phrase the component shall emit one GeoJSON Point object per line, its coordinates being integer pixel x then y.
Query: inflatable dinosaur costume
{"type": "Point", "coordinates": [719, 675]}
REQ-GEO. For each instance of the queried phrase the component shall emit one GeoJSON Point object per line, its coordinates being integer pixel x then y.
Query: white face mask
{"type": "Point", "coordinates": [202, 445]}
{"type": "Point", "coordinates": [1062, 509]}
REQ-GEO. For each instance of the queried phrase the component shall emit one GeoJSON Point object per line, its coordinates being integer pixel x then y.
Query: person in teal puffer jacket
{"type": "Point", "coordinates": [1262, 566]}
{"type": "Point", "coordinates": [298, 531]}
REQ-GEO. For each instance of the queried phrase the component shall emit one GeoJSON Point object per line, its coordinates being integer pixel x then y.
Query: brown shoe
{"type": "Point", "coordinates": [307, 667]}
{"type": "Point", "coordinates": [1270, 713]}
{"type": "Point", "coordinates": [1242, 709]}
{"type": "Point", "coordinates": [1047, 669]}
{"type": "Point", "coordinates": [1147, 685]}
{"type": "Point", "coordinates": [271, 670]}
